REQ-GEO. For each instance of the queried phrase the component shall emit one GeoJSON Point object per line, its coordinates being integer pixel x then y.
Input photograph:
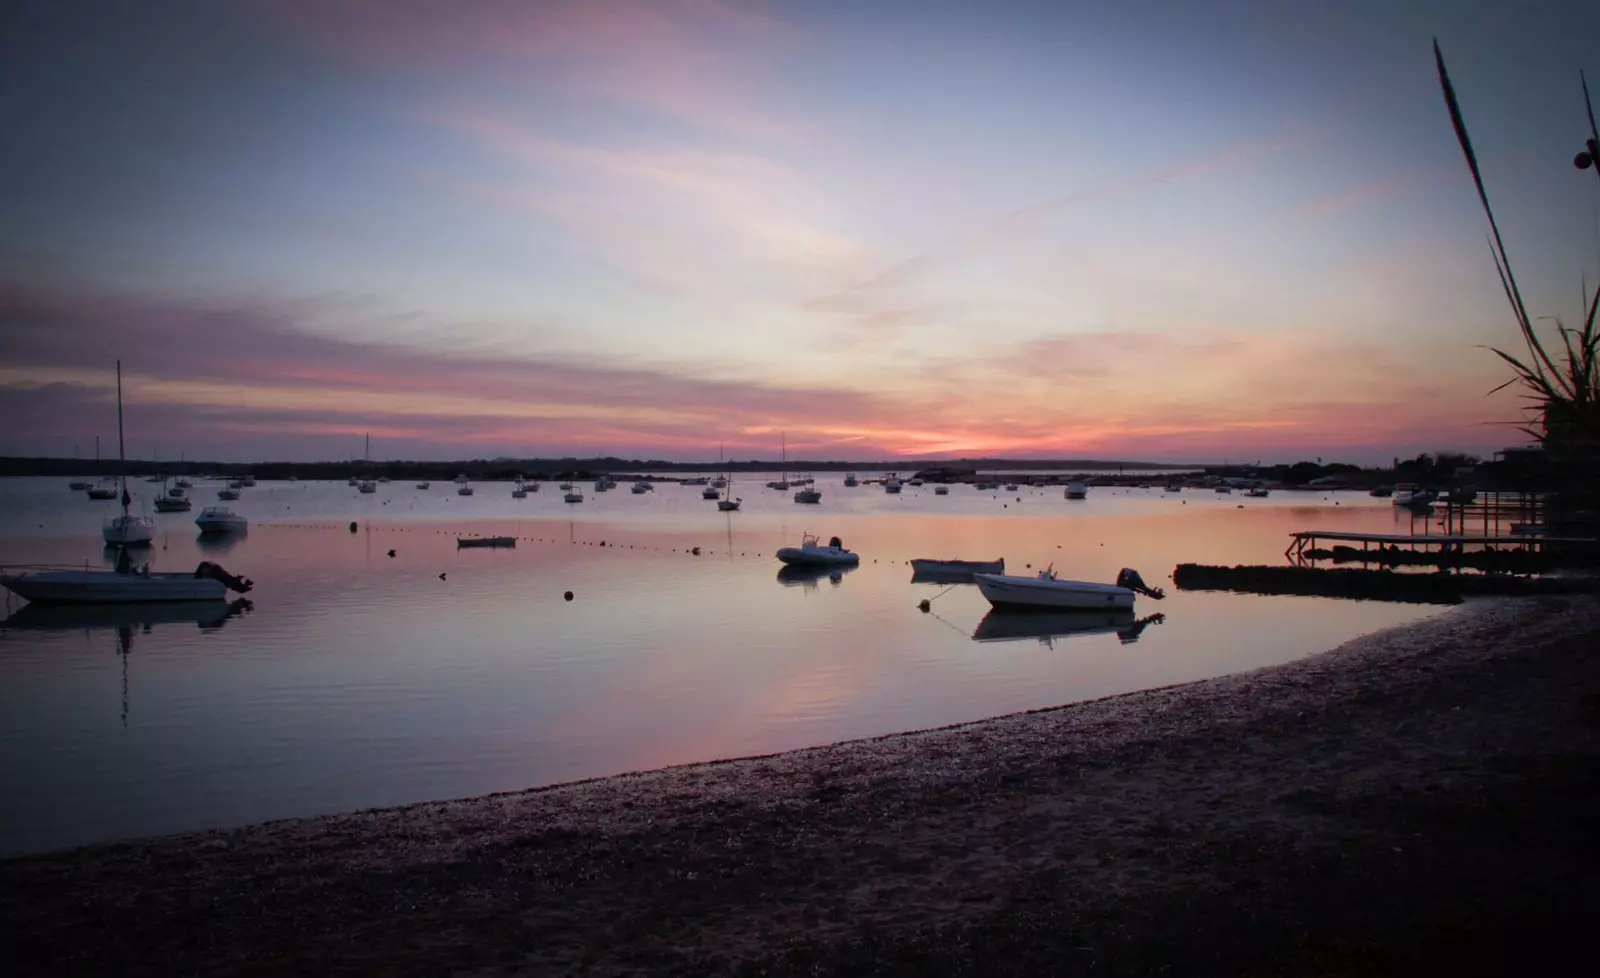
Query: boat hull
{"type": "Point", "coordinates": [131, 531]}
{"type": "Point", "coordinates": [103, 587]}
{"type": "Point", "coordinates": [1029, 594]}
{"type": "Point", "coordinates": [486, 541]}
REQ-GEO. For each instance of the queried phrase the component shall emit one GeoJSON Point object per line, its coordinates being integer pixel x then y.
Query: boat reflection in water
{"type": "Point", "coordinates": [1011, 626]}
{"type": "Point", "coordinates": [209, 615]}
{"type": "Point", "coordinates": [219, 543]}
{"type": "Point", "coordinates": [808, 576]}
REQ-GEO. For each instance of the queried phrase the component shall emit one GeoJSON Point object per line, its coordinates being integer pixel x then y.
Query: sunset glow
{"type": "Point", "coordinates": [875, 231]}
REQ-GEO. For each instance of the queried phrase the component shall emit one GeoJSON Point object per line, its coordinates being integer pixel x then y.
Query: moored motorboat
{"type": "Point", "coordinates": [572, 496]}
{"type": "Point", "coordinates": [812, 553]}
{"type": "Point", "coordinates": [79, 485]}
{"type": "Point", "coordinates": [851, 480]}
{"type": "Point", "coordinates": [221, 519]}
{"type": "Point", "coordinates": [1077, 490]}
{"type": "Point", "coordinates": [808, 496]}
{"type": "Point", "coordinates": [424, 486]}
{"type": "Point", "coordinates": [519, 492]}
{"type": "Point", "coordinates": [367, 486]}
{"type": "Point", "coordinates": [464, 490]}
{"type": "Point", "coordinates": [228, 493]}
{"type": "Point", "coordinates": [173, 504]}
{"type": "Point", "coordinates": [892, 486]}
{"type": "Point", "coordinates": [1258, 492]}
{"type": "Point", "coordinates": [1048, 591]}
{"type": "Point", "coordinates": [941, 490]}
{"type": "Point", "coordinates": [104, 489]}
{"type": "Point", "coordinates": [126, 585]}
{"type": "Point", "coordinates": [710, 492]}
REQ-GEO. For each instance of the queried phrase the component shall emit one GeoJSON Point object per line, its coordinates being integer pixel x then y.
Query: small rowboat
{"type": "Point", "coordinates": [954, 570]}
{"type": "Point", "coordinates": [486, 541]}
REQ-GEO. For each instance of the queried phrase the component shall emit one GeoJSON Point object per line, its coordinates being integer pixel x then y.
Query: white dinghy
{"type": "Point", "coordinates": [811, 553]}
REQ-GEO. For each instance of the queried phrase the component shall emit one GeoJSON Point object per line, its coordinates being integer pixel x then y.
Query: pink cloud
{"type": "Point", "coordinates": [690, 60]}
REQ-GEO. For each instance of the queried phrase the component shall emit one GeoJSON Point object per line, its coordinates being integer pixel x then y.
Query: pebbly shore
{"type": "Point", "coordinates": [1418, 801]}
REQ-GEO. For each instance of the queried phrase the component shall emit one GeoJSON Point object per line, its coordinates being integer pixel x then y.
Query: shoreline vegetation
{"type": "Point", "coordinates": [1420, 800]}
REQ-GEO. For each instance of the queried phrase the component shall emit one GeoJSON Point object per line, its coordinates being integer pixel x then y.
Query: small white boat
{"type": "Point", "coordinates": [104, 489]}
{"type": "Point", "coordinates": [173, 504]}
{"type": "Point", "coordinates": [1259, 492]}
{"type": "Point", "coordinates": [228, 494]}
{"type": "Point", "coordinates": [352, 482]}
{"type": "Point", "coordinates": [424, 486]}
{"type": "Point", "coordinates": [221, 519]}
{"type": "Point", "coordinates": [1174, 487]}
{"type": "Point", "coordinates": [565, 487]}
{"type": "Point", "coordinates": [851, 480]}
{"type": "Point", "coordinates": [127, 531]}
{"type": "Point", "coordinates": [462, 479]}
{"type": "Point", "coordinates": [956, 568]}
{"type": "Point", "coordinates": [810, 553]}
{"type": "Point", "coordinates": [915, 482]}
{"type": "Point", "coordinates": [367, 486]}
{"type": "Point", "coordinates": [710, 492]}
{"type": "Point", "coordinates": [247, 481]}
{"type": "Point", "coordinates": [941, 490]}
{"type": "Point", "coordinates": [572, 496]}
{"type": "Point", "coordinates": [186, 484]}
{"type": "Point", "coordinates": [1012, 487]}
{"type": "Point", "coordinates": [719, 483]}
{"type": "Point", "coordinates": [175, 493]}
{"type": "Point", "coordinates": [1077, 490]}
{"type": "Point", "coordinates": [697, 481]}
{"type": "Point", "coordinates": [602, 484]}
{"type": "Point", "coordinates": [80, 486]}
{"type": "Point", "coordinates": [808, 496]}
{"type": "Point", "coordinates": [640, 488]}
{"type": "Point", "coordinates": [519, 492]}
{"type": "Point", "coordinates": [239, 483]}
{"type": "Point", "coordinates": [985, 486]}
{"type": "Point", "coordinates": [777, 485]}
{"type": "Point", "coordinates": [1407, 494]}
{"type": "Point", "coordinates": [464, 490]}
{"type": "Point", "coordinates": [1224, 489]}
{"type": "Point", "coordinates": [383, 478]}
{"type": "Point", "coordinates": [1048, 591]}
{"type": "Point", "coordinates": [728, 505]}
{"type": "Point", "coordinates": [531, 486]}
{"type": "Point", "coordinates": [892, 486]}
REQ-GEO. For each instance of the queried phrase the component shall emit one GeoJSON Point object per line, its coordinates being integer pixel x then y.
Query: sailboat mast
{"type": "Point", "coordinates": [122, 447]}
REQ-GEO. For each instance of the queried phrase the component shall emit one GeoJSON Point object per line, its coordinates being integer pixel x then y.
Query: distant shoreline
{"type": "Point", "coordinates": [1416, 801]}
{"type": "Point", "coordinates": [509, 467]}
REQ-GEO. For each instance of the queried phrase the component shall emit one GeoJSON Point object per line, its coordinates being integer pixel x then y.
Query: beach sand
{"type": "Point", "coordinates": [1419, 801]}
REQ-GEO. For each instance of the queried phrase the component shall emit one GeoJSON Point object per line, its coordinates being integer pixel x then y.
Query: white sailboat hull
{"type": "Point", "coordinates": [107, 587]}
{"type": "Point", "coordinates": [1031, 592]}
{"type": "Point", "coordinates": [126, 531]}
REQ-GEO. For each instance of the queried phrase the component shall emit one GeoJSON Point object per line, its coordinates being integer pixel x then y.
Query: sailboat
{"type": "Point", "coordinates": [714, 491]}
{"type": "Point", "coordinates": [783, 483]}
{"type": "Point", "coordinates": [125, 530]}
{"type": "Point", "coordinates": [367, 485]}
{"type": "Point", "coordinates": [727, 504]}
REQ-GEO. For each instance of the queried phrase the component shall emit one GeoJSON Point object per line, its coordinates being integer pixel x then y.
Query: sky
{"type": "Point", "coordinates": [1151, 229]}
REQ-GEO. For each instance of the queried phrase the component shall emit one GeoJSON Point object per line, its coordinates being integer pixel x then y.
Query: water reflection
{"type": "Point", "coordinates": [218, 543]}
{"type": "Point", "coordinates": [1011, 626]}
{"type": "Point", "coordinates": [208, 615]}
{"type": "Point", "coordinates": [808, 577]}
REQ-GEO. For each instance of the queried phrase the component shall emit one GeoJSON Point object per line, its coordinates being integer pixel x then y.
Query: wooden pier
{"type": "Point", "coordinates": [1306, 540]}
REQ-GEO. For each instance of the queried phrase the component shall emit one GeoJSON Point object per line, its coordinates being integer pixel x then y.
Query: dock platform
{"type": "Point", "coordinates": [1304, 540]}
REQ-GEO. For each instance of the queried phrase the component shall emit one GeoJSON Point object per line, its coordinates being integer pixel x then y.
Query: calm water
{"type": "Point", "coordinates": [359, 679]}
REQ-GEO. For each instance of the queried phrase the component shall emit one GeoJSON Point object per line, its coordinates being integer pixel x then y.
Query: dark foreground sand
{"type": "Point", "coordinates": [1422, 801]}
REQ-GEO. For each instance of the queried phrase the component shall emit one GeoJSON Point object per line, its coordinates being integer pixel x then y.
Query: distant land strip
{"type": "Point", "coordinates": [511, 467]}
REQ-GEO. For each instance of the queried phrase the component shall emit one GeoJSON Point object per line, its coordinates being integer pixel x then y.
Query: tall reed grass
{"type": "Point", "coordinates": [1563, 387]}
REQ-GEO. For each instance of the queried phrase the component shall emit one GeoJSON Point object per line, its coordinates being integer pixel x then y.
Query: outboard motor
{"type": "Point", "coordinates": [215, 572]}
{"type": "Point", "coordinates": [836, 543]}
{"type": "Point", "coordinates": [1130, 579]}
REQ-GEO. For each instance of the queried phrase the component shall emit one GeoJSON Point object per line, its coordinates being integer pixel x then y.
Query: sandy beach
{"type": "Point", "coordinates": [1421, 800]}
